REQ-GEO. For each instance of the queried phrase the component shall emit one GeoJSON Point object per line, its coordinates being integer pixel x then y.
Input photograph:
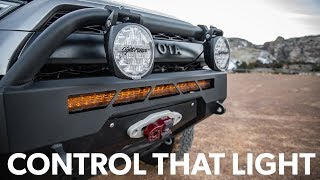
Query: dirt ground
{"type": "Point", "coordinates": [265, 113]}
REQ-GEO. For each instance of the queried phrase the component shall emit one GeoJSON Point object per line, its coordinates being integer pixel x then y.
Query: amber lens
{"type": "Point", "coordinates": [163, 91]}
{"type": "Point", "coordinates": [89, 101]}
{"type": "Point", "coordinates": [206, 84]}
{"type": "Point", "coordinates": [132, 95]}
{"type": "Point", "coordinates": [186, 87]}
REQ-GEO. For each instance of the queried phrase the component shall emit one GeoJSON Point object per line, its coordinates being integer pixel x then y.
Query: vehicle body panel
{"type": "Point", "coordinates": [11, 43]}
{"type": "Point", "coordinates": [34, 114]}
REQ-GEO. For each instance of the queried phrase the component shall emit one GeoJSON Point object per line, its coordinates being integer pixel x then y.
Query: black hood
{"type": "Point", "coordinates": [130, 7]}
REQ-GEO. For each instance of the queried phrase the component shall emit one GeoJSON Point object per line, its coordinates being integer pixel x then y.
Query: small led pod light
{"type": "Point", "coordinates": [217, 53]}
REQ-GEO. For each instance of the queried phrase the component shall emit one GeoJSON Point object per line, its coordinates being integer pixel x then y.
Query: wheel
{"type": "Point", "coordinates": [180, 144]}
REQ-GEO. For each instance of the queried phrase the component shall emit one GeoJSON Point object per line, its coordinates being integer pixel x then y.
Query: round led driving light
{"type": "Point", "coordinates": [130, 50]}
{"type": "Point", "coordinates": [217, 53]}
{"type": "Point", "coordinates": [221, 53]}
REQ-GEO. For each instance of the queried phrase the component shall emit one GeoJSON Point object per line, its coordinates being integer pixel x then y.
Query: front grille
{"type": "Point", "coordinates": [56, 71]}
{"type": "Point", "coordinates": [55, 17]}
{"type": "Point", "coordinates": [162, 36]}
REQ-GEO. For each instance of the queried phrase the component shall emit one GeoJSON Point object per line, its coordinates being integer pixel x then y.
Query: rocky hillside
{"type": "Point", "coordinates": [294, 50]}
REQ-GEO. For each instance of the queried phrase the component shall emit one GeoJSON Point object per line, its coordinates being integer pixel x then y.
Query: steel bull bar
{"type": "Point", "coordinates": [37, 54]}
{"type": "Point", "coordinates": [18, 83]}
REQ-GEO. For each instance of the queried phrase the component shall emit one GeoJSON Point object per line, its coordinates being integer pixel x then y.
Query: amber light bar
{"type": "Point", "coordinates": [188, 87]}
{"type": "Point", "coordinates": [132, 95]}
{"type": "Point", "coordinates": [206, 84]}
{"type": "Point", "coordinates": [89, 101]}
{"type": "Point", "coordinates": [163, 91]}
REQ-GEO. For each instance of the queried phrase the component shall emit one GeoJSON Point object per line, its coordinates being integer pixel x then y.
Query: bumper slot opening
{"type": "Point", "coordinates": [206, 84]}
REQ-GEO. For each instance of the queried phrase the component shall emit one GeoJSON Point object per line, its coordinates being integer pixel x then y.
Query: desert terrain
{"type": "Point", "coordinates": [265, 113]}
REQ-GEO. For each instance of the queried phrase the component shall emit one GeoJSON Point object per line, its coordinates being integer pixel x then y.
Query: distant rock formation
{"type": "Point", "coordinates": [294, 50]}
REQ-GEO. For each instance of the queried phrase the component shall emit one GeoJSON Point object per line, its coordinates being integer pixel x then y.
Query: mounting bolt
{"type": "Point", "coordinates": [108, 23]}
{"type": "Point", "coordinates": [111, 125]}
{"type": "Point", "coordinates": [168, 142]}
{"type": "Point", "coordinates": [125, 19]}
{"type": "Point", "coordinates": [192, 104]}
{"type": "Point", "coordinates": [220, 109]}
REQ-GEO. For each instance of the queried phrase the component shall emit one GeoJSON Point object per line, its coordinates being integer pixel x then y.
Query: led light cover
{"type": "Point", "coordinates": [131, 50]}
{"type": "Point", "coordinates": [164, 91]}
{"type": "Point", "coordinates": [221, 53]}
{"type": "Point", "coordinates": [132, 95]}
{"type": "Point", "coordinates": [89, 101]}
{"type": "Point", "coordinates": [206, 84]}
{"type": "Point", "coordinates": [188, 87]}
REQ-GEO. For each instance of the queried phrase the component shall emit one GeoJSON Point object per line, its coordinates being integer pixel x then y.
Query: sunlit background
{"type": "Point", "coordinates": [255, 20]}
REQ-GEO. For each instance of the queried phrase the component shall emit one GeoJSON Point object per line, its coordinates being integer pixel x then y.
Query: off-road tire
{"type": "Point", "coordinates": [181, 144]}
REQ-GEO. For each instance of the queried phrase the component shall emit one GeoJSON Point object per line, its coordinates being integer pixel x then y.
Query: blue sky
{"type": "Point", "coordinates": [255, 20]}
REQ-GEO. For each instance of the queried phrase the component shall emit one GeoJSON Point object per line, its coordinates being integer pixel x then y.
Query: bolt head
{"type": "Point", "coordinates": [111, 125]}
{"type": "Point", "coordinates": [192, 104]}
{"type": "Point", "coordinates": [108, 23]}
{"type": "Point", "coordinates": [134, 133]}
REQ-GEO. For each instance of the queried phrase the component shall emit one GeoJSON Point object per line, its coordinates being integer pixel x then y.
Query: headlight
{"type": "Point", "coordinates": [130, 50]}
{"type": "Point", "coordinates": [217, 53]}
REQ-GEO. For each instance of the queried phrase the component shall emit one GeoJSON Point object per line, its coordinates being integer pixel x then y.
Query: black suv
{"type": "Point", "coordinates": [98, 76]}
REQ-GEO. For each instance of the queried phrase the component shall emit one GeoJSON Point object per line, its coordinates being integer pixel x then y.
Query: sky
{"type": "Point", "coordinates": [258, 21]}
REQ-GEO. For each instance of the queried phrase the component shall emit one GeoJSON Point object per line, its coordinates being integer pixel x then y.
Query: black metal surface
{"type": "Point", "coordinates": [101, 141]}
{"type": "Point", "coordinates": [4, 147]}
{"type": "Point", "coordinates": [39, 112]}
{"type": "Point", "coordinates": [36, 55]}
{"type": "Point", "coordinates": [89, 49]}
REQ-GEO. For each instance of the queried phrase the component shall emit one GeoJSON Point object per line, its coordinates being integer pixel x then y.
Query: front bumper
{"type": "Point", "coordinates": [37, 115]}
